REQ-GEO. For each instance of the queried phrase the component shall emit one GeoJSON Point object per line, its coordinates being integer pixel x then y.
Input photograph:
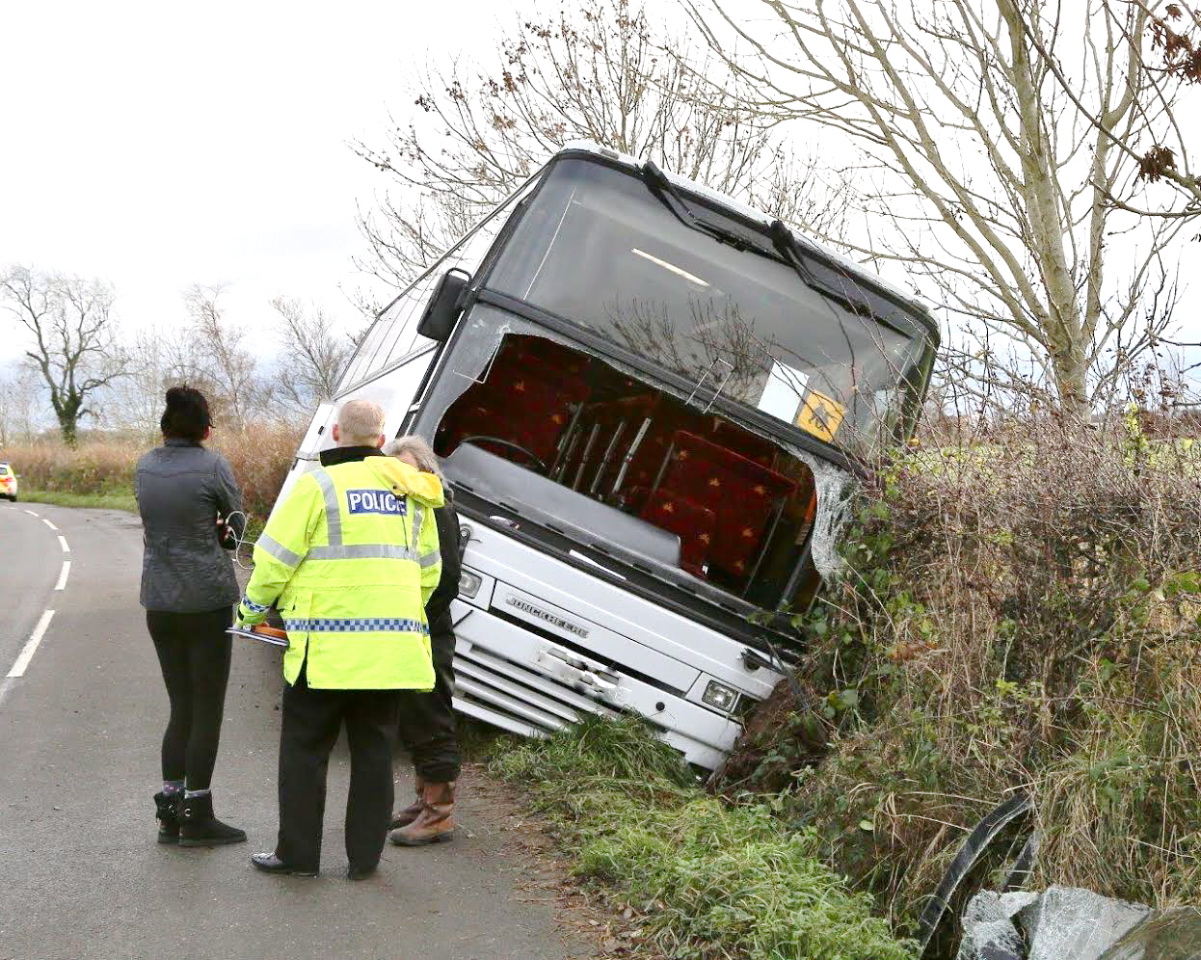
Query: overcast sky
{"type": "Point", "coordinates": [158, 145]}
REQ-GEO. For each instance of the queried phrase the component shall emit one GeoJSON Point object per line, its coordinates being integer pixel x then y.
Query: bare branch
{"type": "Point", "coordinates": [312, 355]}
{"type": "Point", "coordinates": [995, 174]}
{"type": "Point", "coordinates": [72, 327]}
{"type": "Point", "coordinates": [602, 73]}
{"type": "Point", "coordinates": [228, 367]}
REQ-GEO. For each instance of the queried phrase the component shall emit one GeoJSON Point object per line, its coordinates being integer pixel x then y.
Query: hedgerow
{"type": "Point", "coordinates": [1020, 614]}
{"type": "Point", "coordinates": [261, 457]}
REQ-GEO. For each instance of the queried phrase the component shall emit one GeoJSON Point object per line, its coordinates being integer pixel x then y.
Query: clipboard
{"type": "Point", "coordinates": [262, 633]}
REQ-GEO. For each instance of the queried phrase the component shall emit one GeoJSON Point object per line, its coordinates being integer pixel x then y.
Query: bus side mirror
{"type": "Point", "coordinates": [442, 311]}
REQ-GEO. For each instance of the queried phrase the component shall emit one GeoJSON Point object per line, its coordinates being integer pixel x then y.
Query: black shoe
{"type": "Point", "coordinates": [359, 873]}
{"type": "Point", "coordinates": [167, 813]}
{"type": "Point", "coordinates": [270, 863]}
{"type": "Point", "coordinates": [199, 828]}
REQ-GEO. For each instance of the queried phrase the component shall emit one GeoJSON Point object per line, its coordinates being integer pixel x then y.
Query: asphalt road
{"type": "Point", "coordinates": [80, 873]}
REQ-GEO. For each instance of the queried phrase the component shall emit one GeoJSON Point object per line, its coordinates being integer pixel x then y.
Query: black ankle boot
{"type": "Point", "coordinates": [199, 828]}
{"type": "Point", "coordinates": [167, 813]}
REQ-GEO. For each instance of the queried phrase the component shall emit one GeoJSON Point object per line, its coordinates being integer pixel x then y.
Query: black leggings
{"type": "Point", "coordinates": [194, 652]}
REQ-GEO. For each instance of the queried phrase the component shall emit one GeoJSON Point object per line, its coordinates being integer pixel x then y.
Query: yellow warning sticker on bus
{"type": "Point", "coordinates": [820, 415]}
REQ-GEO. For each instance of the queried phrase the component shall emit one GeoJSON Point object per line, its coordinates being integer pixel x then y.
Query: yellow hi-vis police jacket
{"type": "Point", "coordinates": [349, 559]}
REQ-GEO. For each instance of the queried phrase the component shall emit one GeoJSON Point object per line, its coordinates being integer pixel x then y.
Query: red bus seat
{"type": "Point", "coordinates": [744, 497]}
{"type": "Point", "coordinates": [528, 399]}
{"type": "Point", "coordinates": [694, 524]}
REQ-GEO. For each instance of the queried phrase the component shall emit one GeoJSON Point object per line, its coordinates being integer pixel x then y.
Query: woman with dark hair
{"type": "Point", "coordinates": [188, 499]}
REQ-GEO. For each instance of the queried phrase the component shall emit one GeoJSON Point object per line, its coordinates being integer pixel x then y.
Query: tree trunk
{"type": "Point", "coordinates": [1069, 367]}
{"type": "Point", "coordinates": [67, 412]}
{"type": "Point", "coordinates": [68, 425]}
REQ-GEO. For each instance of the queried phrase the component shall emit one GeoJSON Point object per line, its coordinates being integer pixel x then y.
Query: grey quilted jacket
{"type": "Point", "coordinates": [181, 488]}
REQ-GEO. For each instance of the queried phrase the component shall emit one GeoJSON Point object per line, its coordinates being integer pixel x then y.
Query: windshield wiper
{"type": "Point", "coordinates": [859, 300]}
{"type": "Point", "coordinates": [823, 276]}
{"type": "Point", "coordinates": [790, 250]}
{"type": "Point", "coordinates": [667, 193]}
{"type": "Point", "coordinates": [783, 245]}
{"type": "Point", "coordinates": [784, 242]}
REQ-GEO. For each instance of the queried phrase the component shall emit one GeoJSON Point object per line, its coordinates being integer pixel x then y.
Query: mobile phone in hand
{"type": "Point", "coordinates": [226, 535]}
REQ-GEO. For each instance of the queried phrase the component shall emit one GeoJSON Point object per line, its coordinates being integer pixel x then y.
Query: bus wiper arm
{"type": "Point", "coordinates": [843, 287]}
{"type": "Point", "coordinates": [785, 243]}
{"type": "Point", "coordinates": [790, 250]}
{"type": "Point", "coordinates": [783, 246]}
{"type": "Point", "coordinates": [666, 192]}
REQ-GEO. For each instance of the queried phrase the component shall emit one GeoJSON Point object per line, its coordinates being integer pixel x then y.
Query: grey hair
{"type": "Point", "coordinates": [418, 449]}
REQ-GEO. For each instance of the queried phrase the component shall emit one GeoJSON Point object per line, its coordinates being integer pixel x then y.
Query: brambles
{"type": "Point", "coordinates": [261, 459]}
{"type": "Point", "coordinates": [94, 467]}
{"type": "Point", "coordinates": [1016, 614]}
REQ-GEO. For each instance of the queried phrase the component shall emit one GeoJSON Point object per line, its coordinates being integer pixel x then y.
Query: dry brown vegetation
{"type": "Point", "coordinates": [260, 457]}
{"type": "Point", "coordinates": [103, 466]}
{"type": "Point", "coordinates": [1016, 614]}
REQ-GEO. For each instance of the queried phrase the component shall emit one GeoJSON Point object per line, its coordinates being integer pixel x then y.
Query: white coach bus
{"type": "Point", "coordinates": [650, 401]}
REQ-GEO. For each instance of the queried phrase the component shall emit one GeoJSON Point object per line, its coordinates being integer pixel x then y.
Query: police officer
{"type": "Point", "coordinates": [349, 559]}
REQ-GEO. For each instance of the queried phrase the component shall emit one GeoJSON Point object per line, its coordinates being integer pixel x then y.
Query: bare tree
{"type": "Point", "coordinates": [18, 403]}
{"type": "Point", "coordinates": [975, 168]}
{"type": "Point", "coordinates": [158, 357]}
{"type": "Point", "coordinates": [73, 329]}
{"type": "Point", "coordinates": [313, 354]}
{"type": "Point", "coordinates": [222, 359]}
{"type": "Point", "coordinates": [597, 71]}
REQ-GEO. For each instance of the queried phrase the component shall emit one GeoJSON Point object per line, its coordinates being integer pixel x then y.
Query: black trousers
{"type": "Point", "coordinates": [194, 653]}
{"type": "Point", "coordinates": [427, 720]}
{"type": "Point", "coordinates": [312, 720]}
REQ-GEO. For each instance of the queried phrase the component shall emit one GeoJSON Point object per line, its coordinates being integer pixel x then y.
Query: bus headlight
{"type": "Point", "coordinates": [720, 697]}
{"type": "Point", "coordinates": [469, 584]}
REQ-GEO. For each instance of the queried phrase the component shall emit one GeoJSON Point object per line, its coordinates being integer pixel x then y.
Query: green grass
{"type": "Point", "coordinates": [708, 880]}
{"type": "Point", "coordinates": [120, 498]}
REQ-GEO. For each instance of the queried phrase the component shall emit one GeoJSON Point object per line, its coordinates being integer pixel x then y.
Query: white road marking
{"type": "Point", "coordinates": [31, 645]}
{"type": "Point", "coordinates": [62, 577]}
{"type": "Point", "coordinates": [30, 512]}
{"type": "Point", "coordinates": [62, 542]}
{"type": "Point", "coordinates": [49, 524]}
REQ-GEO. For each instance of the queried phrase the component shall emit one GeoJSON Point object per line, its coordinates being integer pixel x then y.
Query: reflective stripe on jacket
{"type": "Point", "coordinates": [349, 559]}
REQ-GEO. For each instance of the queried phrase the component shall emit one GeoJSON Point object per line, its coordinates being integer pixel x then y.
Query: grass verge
{"type": "Point", "coordinates": [707, 879]}
{"type": "Point", "coordinates": [119, 499]}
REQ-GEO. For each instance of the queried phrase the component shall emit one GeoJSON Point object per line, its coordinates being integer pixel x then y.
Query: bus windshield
{"type": "Point", "coordinates": [598, 248]}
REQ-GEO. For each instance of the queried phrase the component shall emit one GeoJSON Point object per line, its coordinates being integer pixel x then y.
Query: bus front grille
{"type": "Point", "coordinates": [515, 698]}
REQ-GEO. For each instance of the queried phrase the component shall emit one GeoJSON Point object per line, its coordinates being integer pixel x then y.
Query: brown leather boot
{"type": "Point", "coordinates": [436, 824]}
{"type": "Point", "coordinates": [410, 813]}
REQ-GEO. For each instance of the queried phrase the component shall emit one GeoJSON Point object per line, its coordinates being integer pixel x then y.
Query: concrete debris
{"type": "Point", "coordinates": [1066, 923]}
{"type": "Point", "coordinates": [989, 930]}
{"type": "Point", "coordinates": [1061, 923]}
